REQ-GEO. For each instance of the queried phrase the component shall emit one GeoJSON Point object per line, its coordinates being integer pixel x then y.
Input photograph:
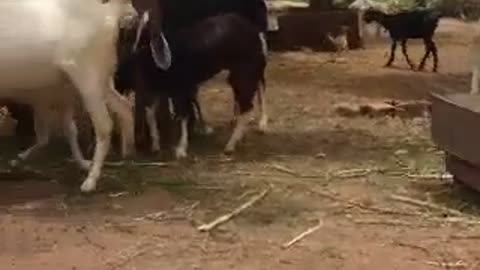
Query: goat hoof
{"type": "Point", "coordinates": [228, 151]}
{"type": "Point", "coordinates": [88, 186]}
{"type": "Point", "coordinates": [207, 130]}
{"type": "Point", "coordinates": [180, 154]}
{"type": "Point", "coordinates": [263, 126]}
{"type": "Point", "coordinates": [155, 148]}
{"type": "Point", "coordinates": [14, 163]}
{"type": "Point", "coordinates": [85, 164]}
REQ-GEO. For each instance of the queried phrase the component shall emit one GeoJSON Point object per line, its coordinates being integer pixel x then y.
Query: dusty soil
{"type": "Point", "coordinates": [146, 218]}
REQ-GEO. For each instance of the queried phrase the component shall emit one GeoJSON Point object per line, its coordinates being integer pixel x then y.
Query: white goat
{"type": "Point", "coordinates": [53, 51]}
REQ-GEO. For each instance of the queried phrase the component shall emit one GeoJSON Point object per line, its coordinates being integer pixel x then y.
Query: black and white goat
{"type": "Point", "coordinates": [224, 42]}
{"type": "Point", "coordinates": [415, 24]}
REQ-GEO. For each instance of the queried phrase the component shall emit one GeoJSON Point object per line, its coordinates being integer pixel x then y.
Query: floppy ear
{"type": "Point", "coordinates": [162, 56]}
{"type": "Point", "coordinates": [159, 47]}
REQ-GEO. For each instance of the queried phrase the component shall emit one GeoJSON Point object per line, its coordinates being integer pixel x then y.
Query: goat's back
{"type": "Point", "coordinates": [418, 23]}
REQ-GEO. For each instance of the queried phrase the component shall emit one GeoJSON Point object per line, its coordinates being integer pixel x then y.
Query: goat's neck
{"type": "Point", "coordinates": [383, 20]}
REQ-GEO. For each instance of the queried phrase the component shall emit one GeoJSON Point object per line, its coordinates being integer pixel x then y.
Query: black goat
{"type": "Point", "coordinates": [172, 15]}
{"type": "Point", "coordinates": [224, 42]}
{"type": "Point", "coordinates": [416, 24]}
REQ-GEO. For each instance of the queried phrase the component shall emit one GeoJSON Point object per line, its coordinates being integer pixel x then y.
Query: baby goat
{"type": "Point", "coordinates": [416, 24]}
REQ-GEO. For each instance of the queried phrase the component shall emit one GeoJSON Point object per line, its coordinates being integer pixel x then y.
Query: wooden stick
{"type": "Point", "coordinates": [447, 265]}
{"type": "Point", "coordinates": [427, 205]}
{"type": "Point", "coordinates": [302, 235]}
{"type": "Point", "coordinates": [123, 163]}
{"type": "Point", "coordinates": [433, 176]}
{"type": "Point", "coordinates": [384, 222]}
{"type": "Point", "coordinates": [284, 169]}
{"type": "Point", "coordinates": [292, 172]}
{"type": "Point", "coordinates": [355, 172]}
{"type": "Point", "coordinates": [210, 226]}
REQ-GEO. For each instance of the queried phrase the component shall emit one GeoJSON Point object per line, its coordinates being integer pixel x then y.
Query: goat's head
{"type": "Point", "coordinates": [152, 17]}
{"type": "Point", "coordinates": [371, 15]}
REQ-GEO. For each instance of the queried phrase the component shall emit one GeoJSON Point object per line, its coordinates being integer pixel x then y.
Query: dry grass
{"type": "Point", "coordinates": [342, 171]}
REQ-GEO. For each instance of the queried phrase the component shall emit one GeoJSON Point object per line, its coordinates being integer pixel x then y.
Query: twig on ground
{"type": "Point", "coordinates": [463, 221]}
{"type": "Point", "coordinates": [362, 206]}
{"type": "Point", "coordinates": [464, 237]}
{"type": "Point", "coordinates": [97, 245]}
{"type": "Point", "coordinates": [433, 176]}
{"type": "Point", "coordinates": [222, 219]}
{"type": "Point", "coordinates": [384, 222]}
{"type": "Point", "coordinates": [284, 170]}
{"type": "Point", "coordinates": [427, 205]}
{"type": "Point", "coordinates": [384, 211]}
{"type": "Point", "coordinates": [327, 195]}
{"type": "Point", "coordinates": [458, 264]}
{"type": "Point", "coordinates": [116, 195]}
{"type": "Point", "coordinates": [408, 245]}
{"type": "Point", "coordinates": [302, 235]}
{"type": "Point", "coordinates": [134, 163]}
{"type": "Point", "coordinates": [352, 173]}
{"type": "Point", "coordinates": [161, 216]}
{"type": "Point", "coordinates": [130, 253]}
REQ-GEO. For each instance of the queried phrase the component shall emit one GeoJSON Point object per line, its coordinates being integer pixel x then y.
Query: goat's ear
{"type": "Point", "coordinates": [161, 53]}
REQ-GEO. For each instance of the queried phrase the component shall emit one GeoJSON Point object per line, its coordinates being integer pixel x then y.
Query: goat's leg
{"type": "Point", "coordinates": [475, 78]}
{"type": "Point", "coordinates": [103, 125]}
{"type": "Point", "coordinates": [182, 108]}
{"type": "Point", "coordinates": [392, 53]}
{"type": "Point", "coordinates": [244, 88]}
{"type": "Point", "coordinates": [42, 121]}
{"type": "Point", "coordinates": [238, 132]}
{"type": "Point", "coordinates": [181, 148]}
{"type": "Point", "coordinates": [404, 51]}
{"type": "Point", "coordinates": [428, 50]}
{"type": "Point", "coordinates": [262, 103]}
{"type": "Point", "coordinates": [92, 85]}
{"type": "Point", "coordinates": [434, 50]}
{"type": "Point", "coordinates": [150, 113]}
{"type": "Point", "coordinates": [71, 134]}
{"type": "Point", "coordinates": [204, 127]}
{"type": "Point", "coordinates": [123, 111]}
{"type": "Point", "coordinates": [236, 112]}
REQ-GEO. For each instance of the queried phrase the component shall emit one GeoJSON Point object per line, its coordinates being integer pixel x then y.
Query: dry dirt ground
{"type": "Point", "coordinates": [320, 167]}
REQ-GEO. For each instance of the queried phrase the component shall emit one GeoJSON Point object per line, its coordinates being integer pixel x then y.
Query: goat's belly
{"type": "Point", "coordinates": [30, 31]}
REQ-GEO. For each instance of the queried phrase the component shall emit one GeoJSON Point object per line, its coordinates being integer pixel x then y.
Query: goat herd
{"type": "Point", "coordinates": [54, 52]}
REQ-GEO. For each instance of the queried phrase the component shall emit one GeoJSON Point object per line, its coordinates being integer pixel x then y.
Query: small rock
{"type": "Point", "coordinates": [401, 152]}
{"type": "Point", "coordinates": [320, 155]}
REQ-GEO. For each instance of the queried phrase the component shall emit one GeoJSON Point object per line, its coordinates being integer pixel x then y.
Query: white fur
{"type": "Point", "coordinates": [475, 61]}
{"type": "Point", "coordinates": [238, 132]}
{"type": "Point", "coordinates": [181, 149]}
{"type": "Point", "coordinates": [53, 51]}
